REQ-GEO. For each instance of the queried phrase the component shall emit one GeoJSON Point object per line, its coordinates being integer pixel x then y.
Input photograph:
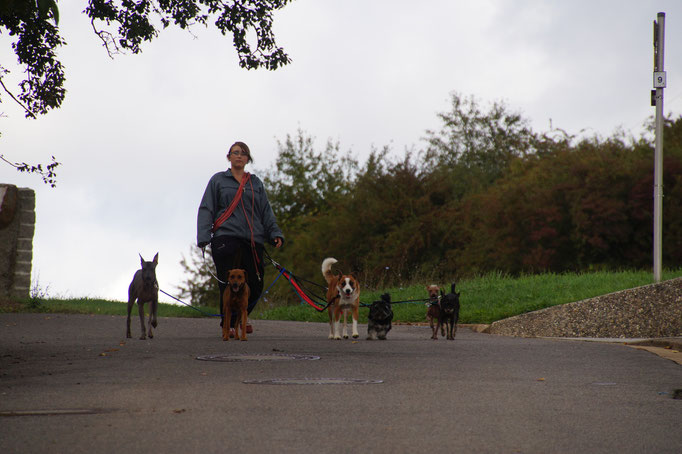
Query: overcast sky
{"type": "Point", "coordinates": [139, 136]}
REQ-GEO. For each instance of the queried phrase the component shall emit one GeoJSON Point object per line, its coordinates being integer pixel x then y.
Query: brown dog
{"type": "Point", "coordinates": [433, 313]}
{"type": "Point", "coordinates": [343, 297]}
{"type": "Point", "coordinates": [235, 298]}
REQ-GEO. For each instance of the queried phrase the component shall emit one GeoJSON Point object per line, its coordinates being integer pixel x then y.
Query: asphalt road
{"type": "Point", "coordinates": [74, 384]}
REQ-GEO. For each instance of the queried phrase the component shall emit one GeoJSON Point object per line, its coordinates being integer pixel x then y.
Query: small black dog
{"type": "Point", "coordinates": [144, 289]}
{"type": "Point", "coordinates": [380, 316]}
{"type": "Point", "coordinates": [449, 312]}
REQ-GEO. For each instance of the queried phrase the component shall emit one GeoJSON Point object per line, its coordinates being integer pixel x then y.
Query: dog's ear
{"type": "Point", "coordinates": [156, 259]}
{"type": "Point", "coordinates": [246, 275]}
{"type": "Point", "coordinates": [141, 259]}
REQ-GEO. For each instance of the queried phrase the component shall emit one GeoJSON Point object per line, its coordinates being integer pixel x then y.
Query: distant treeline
{"type": "Point", "coordinates": [485, 194]}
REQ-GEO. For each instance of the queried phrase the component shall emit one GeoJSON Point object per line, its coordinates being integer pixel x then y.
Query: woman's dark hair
{"type": "Point", "coordinates": [244, 147]}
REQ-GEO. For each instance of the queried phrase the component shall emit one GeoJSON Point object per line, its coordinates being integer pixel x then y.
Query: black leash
{"type": "Point", "coordinates": [304, 293]}
{"type": "Point", "coordinates": [189, 305]}
{"type": "Point", "coordinates": [217, 315]}
{"type": "Point", "coordinates": [310, 293]}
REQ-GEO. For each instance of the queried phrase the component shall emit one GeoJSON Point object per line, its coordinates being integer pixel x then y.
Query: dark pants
{"type": "Point", "coordinates": [230, 253]}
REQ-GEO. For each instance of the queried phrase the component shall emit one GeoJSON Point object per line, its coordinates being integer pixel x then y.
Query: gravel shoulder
{"type": "Point", "coordinates": [650, 311]}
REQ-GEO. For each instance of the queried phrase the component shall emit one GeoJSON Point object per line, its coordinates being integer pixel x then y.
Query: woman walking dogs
{"type": "Point", "coordinates": [236, 219]}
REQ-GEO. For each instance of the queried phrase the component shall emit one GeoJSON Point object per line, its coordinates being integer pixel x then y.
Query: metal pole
{"type": "Point", "coordinates": [659, 85]}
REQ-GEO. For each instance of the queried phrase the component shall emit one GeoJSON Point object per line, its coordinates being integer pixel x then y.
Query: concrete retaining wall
{"type": "Point", "coordinates": [17, 226]}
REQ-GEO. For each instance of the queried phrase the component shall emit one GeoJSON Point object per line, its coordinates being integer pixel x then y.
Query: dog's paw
{"type": "Point", "coordinates": [355, 336]}
{"type": "Point", "coordinates": [337, 337]}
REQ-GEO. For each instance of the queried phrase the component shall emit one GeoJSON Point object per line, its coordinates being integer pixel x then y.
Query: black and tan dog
{"type": "Point", "coordinates": [235, 298]}
{"type": "Point", "coordinates": [343, 298]}
{"type": "Point", "coordinates": [379, 318]}
{"type": "Point", "coordinates": [433, 312]}
{"type": "Point", "coordinates": [449, 312]}
{"type": "Point", "coordinates": [144, 289]}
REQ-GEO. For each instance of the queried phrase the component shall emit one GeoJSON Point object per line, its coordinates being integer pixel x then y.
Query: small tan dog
{"type": "Point", "coordinates": [343, 297]}
{"type": "Point", "coordinates": [433, 313]}
{"type": "Point", "coordinates": [235, 298]}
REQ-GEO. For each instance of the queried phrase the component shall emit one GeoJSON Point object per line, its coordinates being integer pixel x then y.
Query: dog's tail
{"type": "Point", "coordinates": [327, 268]}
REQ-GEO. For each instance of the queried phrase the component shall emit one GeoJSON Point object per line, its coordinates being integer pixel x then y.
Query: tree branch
{"type": "Point", "coordinates": [107, 39]}
{"type": "Point", "coordinates": [49, 175]}
{"type": "Point", "coordinates": [28, 111]}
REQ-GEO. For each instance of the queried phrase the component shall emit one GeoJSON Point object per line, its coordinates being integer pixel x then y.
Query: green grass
{"type": "Point", "coordinates": [97, 306]}
{"type": "Point", "coordinates": [494, 296]}
{"type": "Point", "coordinates": [483, 300]}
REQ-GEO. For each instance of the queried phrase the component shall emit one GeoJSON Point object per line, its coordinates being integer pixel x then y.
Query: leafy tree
{"type": "Point", "coordinates": [123, 26]}
{"type": "Point", "coordinates": [34, 23]}
{"type": "Point", "coordinates": [481, 142]}
{"type": "Point", "coordinates": [305, 181]}
{"type": "Point", "coordinates": [303, 188]}
{"type": "Point", "coordinates": [576, 207]}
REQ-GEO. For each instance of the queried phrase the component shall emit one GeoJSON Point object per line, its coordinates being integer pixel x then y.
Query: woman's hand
{"type": "Point", "coordinates": [278, 242]}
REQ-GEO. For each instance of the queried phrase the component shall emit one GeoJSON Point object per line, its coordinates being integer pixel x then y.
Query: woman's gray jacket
{"type": "Point", "coordinates": [221, 189]}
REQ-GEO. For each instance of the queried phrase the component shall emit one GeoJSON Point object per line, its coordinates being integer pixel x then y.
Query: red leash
{"type": "Point", "coordinates": [301, 293]}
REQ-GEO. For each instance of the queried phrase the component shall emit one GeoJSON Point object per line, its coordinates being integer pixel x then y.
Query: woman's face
{"type": "Point", "coordinates": [237, 157]}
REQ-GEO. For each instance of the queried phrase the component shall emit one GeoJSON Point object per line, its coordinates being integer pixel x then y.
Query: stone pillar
{"type": "Point", "coordinates": [17, 225]}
